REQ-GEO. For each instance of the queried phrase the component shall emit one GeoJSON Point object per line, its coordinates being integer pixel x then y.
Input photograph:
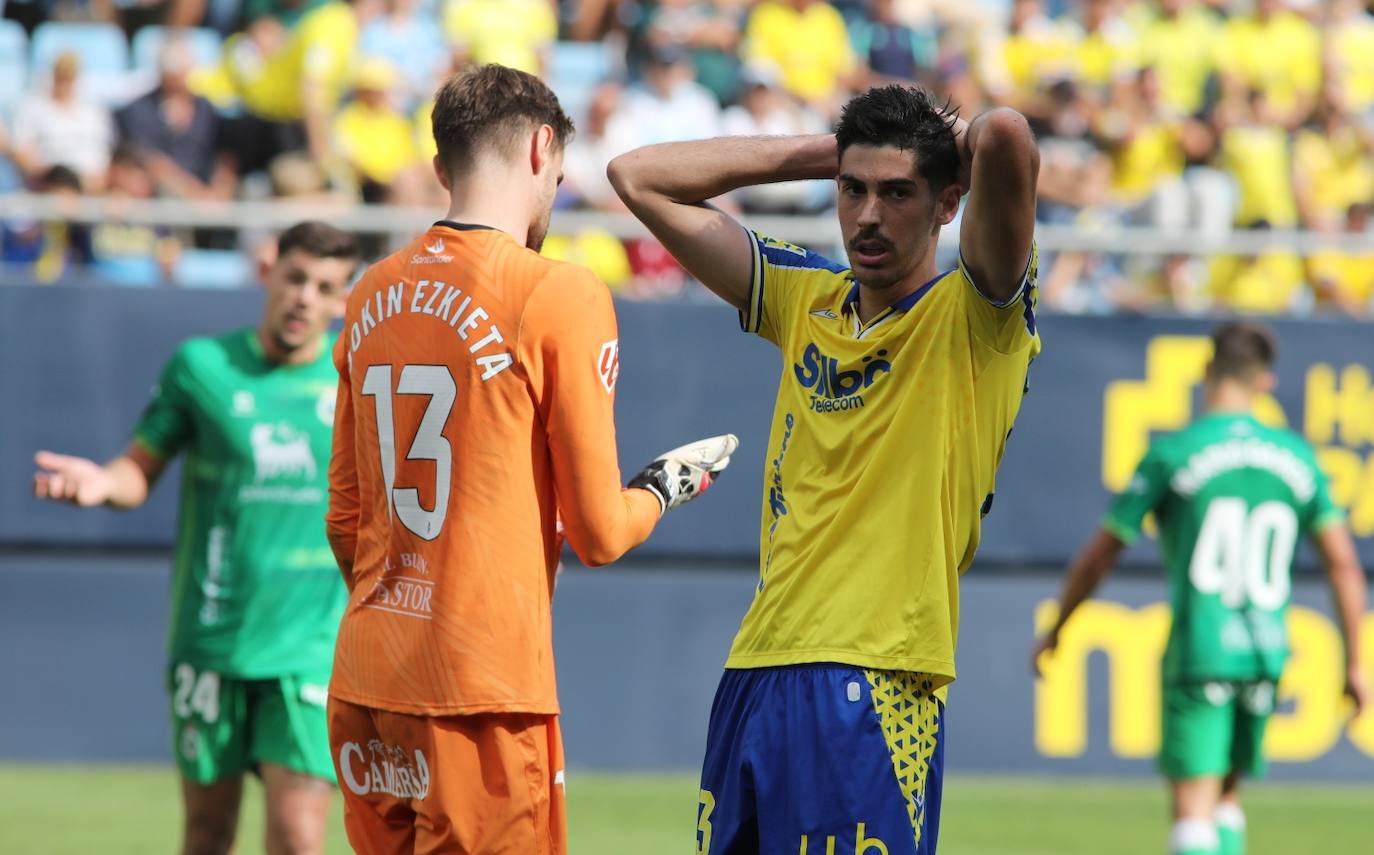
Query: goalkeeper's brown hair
{"type": "Point", "coordinates": [1241, 350]}
{"type": "Point", "coordinates": [486, 109]}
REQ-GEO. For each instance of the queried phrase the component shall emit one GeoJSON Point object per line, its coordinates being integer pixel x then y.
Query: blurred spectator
{"type": "Point", "coordinates": [766, 110]}
{"type": "Point", "coordinates": [1332, 169]}
{"type": "Point", "coordinates": [179, 132]}
{"type": "Point", "coordinates": [670, 106]}
{"type": "Point", "coordinates": [47, 250]}
{"type": "Point", "coordinates": [1277, 51]}
{"type": "Point", "coordinates": [711, 31]}
{"type": "Point", "coordinates": [808, 43]}
{"type": "Point", "coordinates": [1033, 58]}
{"type": "Point", "coordinates": [60, 128]}
{"type": "Point", "coordinates": [599, 251]}
{"type": "Point", "coordinates": [888, 49]}
{"type": "Point", "coordinates": [409, 42]}
{"type": "Point", "coordinates": [1149, 147]}
{"type": "Point", "coordinates": [1263, 283]}
{"type": "Point", "coordinates": [1103, 47]}
{"type": "Point", "coordinates": [1256, 150]}
{"type": "Point", "coordinates": [1344, 279]}
{"type": "Point", "coordinates": [1179, 44]}
{"type": "Point", "coordinates": [376, 140]}
{"type": "Point", "coordinates": [515, 33]}
{"type": "Point", "coordinates": [1348, 41]}
{"type": "Point", "coordinates": [290, 79]}
{"type": "Point", "coordinates": [131, 253]}
{"type": "Point", "coordinates": [584, 165]}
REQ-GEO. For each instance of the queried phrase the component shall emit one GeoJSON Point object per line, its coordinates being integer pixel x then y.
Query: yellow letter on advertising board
{"type": "Point", "coordinates": [1346, 410]}
{"type": "Point", "coordinates": [1133, 640]}
{"type": "Point", "coordinates": [1312, 681]}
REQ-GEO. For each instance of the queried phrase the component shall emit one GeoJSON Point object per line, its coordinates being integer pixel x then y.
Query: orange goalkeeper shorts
{"type": "Point", "coordinates": [489, 784]}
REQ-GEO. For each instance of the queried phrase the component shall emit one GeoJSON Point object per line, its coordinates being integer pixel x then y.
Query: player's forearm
{"type": "Point", "coordinates": [602, 532]}
{"type": "Point", "coordinates": [1349, 589]}
{"type": "Point", "coordinates": [1087, 571]}
{"type": "Point", "coordinates": [688, 173]}
{"type": "Point", "coordinates": [127, 483]}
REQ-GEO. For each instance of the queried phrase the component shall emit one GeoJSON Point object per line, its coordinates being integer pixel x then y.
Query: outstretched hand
{"type": "Point", "coordinates": [1357, 689]}
{"type": "Point", "coordinates": [75, 480]}
{"type": "Point", "coordinates": [1045, 646]}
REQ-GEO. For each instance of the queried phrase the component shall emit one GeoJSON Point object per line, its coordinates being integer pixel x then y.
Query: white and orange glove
{"type": "Point", "coordinates": [678, 476]}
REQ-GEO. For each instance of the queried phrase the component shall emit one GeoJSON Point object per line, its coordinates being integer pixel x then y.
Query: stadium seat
{"type": "Point", "coordinates": [102, 48]}
{"type": "Point", "coordinates": [205, 45]}
{"type": "Point", "coordinates": [212, 268]}
{"type": "Point", "coordinates": [575, 70]}
{"type": "Point", "coordinates": [14, 71]}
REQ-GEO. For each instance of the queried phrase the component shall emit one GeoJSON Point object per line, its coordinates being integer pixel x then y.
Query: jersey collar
{"type": "Point", "coordinates": [851, 304]}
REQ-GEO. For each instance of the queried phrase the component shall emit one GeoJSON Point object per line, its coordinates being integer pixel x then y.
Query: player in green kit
{"type": "Point", "coordinates": [256, 594]}
{"type": "Point", "coordinates": [1231, 496]}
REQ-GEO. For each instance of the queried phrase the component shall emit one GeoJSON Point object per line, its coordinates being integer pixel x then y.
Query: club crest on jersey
{"type": "Point", "coordinates": [608, 364]}
{"type": "Point", "coordinates": [833, 388]}
{"type": "Point", "coordinates": [279, 449]}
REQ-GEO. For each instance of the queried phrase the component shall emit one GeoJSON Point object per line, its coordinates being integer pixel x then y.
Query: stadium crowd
{"type": "Point", "coordinates": [1202, 116]}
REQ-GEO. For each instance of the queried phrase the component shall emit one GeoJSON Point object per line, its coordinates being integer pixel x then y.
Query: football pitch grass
{"type": "Point", "coordinates": [55, 810]}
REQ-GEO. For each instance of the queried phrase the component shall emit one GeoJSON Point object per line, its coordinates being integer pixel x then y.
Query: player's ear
{"type": "Point", "coordinates": [541, 149]}
{"type": "Point", "coordinates": [947, 204]}
{"type": "Point", "coordinates": [440, 172]}
{"type": "Point", "coordinates": [1267, 382]}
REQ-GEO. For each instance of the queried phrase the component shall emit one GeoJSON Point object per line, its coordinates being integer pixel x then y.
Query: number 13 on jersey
{"type": "Point", "coordinates": [429, 442]}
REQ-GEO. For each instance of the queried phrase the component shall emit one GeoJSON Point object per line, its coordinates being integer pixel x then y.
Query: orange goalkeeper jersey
{"type": "Point", "coordinates": [475, 406]}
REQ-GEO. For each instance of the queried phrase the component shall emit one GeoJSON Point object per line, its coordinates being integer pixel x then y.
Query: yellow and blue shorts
{"type": "Point", "coordinates": [822, 759]}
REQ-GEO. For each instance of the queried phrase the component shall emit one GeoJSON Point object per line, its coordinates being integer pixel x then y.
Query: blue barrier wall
{"type": "Point", "coordinates": [639, 651]}
{"type": "Point", "coordinates": [640, 648]}
{"type": "Point", "coordinates": [76, 366]}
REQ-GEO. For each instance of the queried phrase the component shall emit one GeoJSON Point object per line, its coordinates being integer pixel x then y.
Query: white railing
{"type": "Point", "coordinates": [819, 230]}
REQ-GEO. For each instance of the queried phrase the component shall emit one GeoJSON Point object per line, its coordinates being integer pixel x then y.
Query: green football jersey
{"type": "Point", "coordinates": [1230, 496]}
{"type": "Point", "coordinates": [255, 589]}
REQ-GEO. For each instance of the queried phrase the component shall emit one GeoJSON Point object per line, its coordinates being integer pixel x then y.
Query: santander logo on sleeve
{"type": "Point", "coordinates": [608, 364]}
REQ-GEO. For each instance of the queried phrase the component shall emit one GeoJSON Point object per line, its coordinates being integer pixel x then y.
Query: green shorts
{"type": "Point", "coordinates": [1214, 729]}
{"type": "Point", "coordinates": [222, 726]}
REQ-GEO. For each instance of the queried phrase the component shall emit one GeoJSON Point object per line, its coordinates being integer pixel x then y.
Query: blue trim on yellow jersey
{"type": "Point", "coordinates": [751, 318]}
{"type": "Point", "coordinates": [908, 302]}
{"type": "Point", "coordinates": [792, 257]}
{"type": "Point", "coordinates": [1024, 291]}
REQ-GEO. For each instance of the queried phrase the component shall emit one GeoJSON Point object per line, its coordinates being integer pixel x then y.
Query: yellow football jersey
{"type": "Point", "coordinates": [885, 443]}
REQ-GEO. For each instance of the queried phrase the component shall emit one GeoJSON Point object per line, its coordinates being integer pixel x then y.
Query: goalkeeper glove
{"type": "Point", "coordinates": [676, 477]}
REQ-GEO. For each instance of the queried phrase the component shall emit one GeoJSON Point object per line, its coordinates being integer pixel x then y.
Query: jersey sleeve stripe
{"type": "Point", "coordinates": [751, 318]}
{"type": "Point", "coordinates": [1021, 289]}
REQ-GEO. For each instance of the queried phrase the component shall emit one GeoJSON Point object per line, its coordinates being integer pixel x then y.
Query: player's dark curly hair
{"type": "Point", "coordinates": [907, 118]}
{"type": "Point", "coordinates": [487, 106]}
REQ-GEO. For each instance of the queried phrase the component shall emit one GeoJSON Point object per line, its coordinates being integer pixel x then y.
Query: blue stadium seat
{"type": "Point", "coordinates": [212, 268]}
{"type": "Point", "coordinates": [206, 45]}
{"type": "Point", "coordinates": [14, 64]}
{"type": "Point", "coordinates": [575, 70]}
{"type": "Point", "coordinates": [103, 50]}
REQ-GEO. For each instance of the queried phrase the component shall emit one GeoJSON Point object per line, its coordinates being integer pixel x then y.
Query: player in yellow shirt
{"type": "Point", "coordinates": [899, 387]}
